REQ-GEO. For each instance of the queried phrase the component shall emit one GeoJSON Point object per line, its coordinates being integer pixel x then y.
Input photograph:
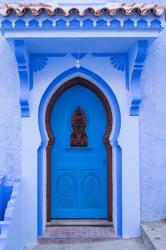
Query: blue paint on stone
{"type": "Point", "coordinates": [5, 193]}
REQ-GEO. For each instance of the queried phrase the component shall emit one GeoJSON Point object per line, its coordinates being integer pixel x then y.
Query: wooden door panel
{"type": "Point", "coordinates": [79, 181]}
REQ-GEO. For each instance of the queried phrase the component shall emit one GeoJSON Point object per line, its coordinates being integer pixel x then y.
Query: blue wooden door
{"type": "Point", "coordinates": [79, 171]}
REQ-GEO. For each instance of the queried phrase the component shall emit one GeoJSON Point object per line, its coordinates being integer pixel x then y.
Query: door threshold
{"type": "Point", "coordinates": [80, 222]}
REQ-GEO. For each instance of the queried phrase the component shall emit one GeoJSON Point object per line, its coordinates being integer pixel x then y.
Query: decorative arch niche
{"type": "Point", "coordinates": [86, 83]}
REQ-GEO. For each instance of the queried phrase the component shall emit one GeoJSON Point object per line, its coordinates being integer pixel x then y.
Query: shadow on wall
{"type": "Point", "coordinates": [5, 194]}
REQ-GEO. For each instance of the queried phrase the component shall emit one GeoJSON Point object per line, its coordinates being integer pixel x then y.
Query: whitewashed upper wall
{"type": "Point", "coordinates": [10, 123]}
{"type": "Point", "coordinates": [153, 132]}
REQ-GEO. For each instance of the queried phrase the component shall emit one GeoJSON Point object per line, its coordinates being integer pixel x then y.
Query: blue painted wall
{"type": "Point", "coordinates": [5, 193]}
{"type": "Point", "coordinates": [152, 124]}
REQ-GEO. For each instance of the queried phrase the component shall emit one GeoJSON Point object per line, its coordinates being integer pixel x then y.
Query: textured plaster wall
{"type": "Point", "coordinates": [152, 123]}
{"type": "Point", "coordinates": [153, 133]}
{"type": "Point", "coordinates": [10, 132]}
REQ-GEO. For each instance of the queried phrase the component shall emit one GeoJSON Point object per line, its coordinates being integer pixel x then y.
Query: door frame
{"type": "Point", "coordinates": [88, 84]}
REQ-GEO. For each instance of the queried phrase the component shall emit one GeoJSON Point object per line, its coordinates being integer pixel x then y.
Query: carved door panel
{"type": "Point", "coordinates": [79, 156]}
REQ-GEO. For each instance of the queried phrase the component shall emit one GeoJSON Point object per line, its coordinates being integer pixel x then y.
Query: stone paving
{"type": "Point", "coordinates": [85, 238]}
{"type": "Point", "coordinates": [154, 234]}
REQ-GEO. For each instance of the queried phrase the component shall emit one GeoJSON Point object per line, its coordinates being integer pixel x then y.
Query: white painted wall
{"type": "Point", "coordinates": [10, 122]}
{"type": "Point", "coordinates": [153, 133]}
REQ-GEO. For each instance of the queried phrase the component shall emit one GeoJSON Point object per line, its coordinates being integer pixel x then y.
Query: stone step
{"type": "Point", "coordinates": [154, 235]}
{"type": "Point", "coordinates": [85, 238]}
{"type": "Point", "coordinates": [75, 234]}
{"type": "Point", "coordinates": [84, 222]}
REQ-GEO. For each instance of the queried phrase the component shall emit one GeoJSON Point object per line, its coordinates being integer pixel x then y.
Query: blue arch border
{"type": "Point", "coordinates": [70, 73]}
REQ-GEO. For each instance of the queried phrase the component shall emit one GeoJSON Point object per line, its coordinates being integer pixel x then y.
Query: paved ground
{"type": "Point", "coordinates": [115, 244]}
{"type": "Point", "coordinates": [155, 234]}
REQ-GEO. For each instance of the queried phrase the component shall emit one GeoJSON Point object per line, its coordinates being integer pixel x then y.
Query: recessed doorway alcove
{"type": "Point", "coordinates": [80, 186]}
{"type": "Point", "coordinates": [96, 84]}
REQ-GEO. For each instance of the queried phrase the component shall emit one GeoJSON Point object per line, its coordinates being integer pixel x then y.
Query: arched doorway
{"type": "Point", "coordinates": [79, 138]}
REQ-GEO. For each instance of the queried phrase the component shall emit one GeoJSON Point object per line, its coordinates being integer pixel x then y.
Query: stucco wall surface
{"type": "Point", "coordinates": [153, 133]}
{"type": "Point", "coordinates": [10, 121]}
